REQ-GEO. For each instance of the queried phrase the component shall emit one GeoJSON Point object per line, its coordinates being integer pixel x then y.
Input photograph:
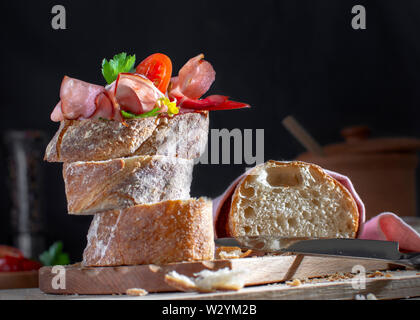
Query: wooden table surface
{"type": "Point", "coordinates": [399, 284]}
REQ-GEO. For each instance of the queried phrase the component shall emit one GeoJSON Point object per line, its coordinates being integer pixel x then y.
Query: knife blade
{"type": "Point", "coordinates": [347, 248]}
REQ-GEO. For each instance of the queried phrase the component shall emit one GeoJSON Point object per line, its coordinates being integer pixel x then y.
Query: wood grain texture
{"type": "Point", "coordinates": [403, 284]}
{"type": "Point", "coordinates": [259, 270]}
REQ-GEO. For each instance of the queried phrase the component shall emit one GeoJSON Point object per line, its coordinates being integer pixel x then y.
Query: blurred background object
{"type": "Point", "coordinates": [25, 181]}
{"type": "Point", "coordinates": [383, 170]}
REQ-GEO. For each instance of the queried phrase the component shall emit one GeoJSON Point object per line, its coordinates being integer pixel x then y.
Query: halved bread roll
{"type": "Point", "coordinates": [183, 136]}
{"type": "Point", "coordinates": [292, 199]}
{"type": "Point", "coordinates": [98, 186]}
{"type": "Point", "coordinates": [159, 233]}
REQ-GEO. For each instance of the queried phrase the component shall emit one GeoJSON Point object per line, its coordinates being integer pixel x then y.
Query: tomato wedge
{"type": "Point", "coordinates": [158, 69]}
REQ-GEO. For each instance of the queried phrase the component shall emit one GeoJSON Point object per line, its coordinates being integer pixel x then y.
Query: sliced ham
{"type": "Point", "coordinates": [135, 93]}
{"type": "Point", "coordinates": [193, 80]}
{"type": "Point", "coordinates": [78, 98]}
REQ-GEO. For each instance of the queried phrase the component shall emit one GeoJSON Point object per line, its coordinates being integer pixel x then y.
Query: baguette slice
{"type": "Point", "coordinates": [292, 199]}
{"type": "Point", "coordinates": [98, 186]}
{"type": "Point", "coordinates": [183, 136]}
{"type": "Point", "coordinates": [160, 233]}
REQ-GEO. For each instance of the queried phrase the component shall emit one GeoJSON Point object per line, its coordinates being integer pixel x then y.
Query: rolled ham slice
{"type": "Point", "coordinates": [78, 98]}
{"type": "Point", "coordinates": [57, 114]}
{"type": "Point", "coordinates": [104, 107]}
{"type": "Point", "coordinates": [385, 226]}
{"type": "Point", "coordinates": [135, 93]}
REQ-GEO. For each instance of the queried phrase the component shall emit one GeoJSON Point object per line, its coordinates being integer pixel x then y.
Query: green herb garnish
{"type": "Point", "coordinates": [151, 113]}
{"type": "Point", "coordinates": [119, 64]}
{"type": "Point", "coordinates": [54, 255]}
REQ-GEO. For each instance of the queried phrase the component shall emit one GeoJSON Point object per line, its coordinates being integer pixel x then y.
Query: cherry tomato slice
{"type": "Point", "coordinates": [158, 69]}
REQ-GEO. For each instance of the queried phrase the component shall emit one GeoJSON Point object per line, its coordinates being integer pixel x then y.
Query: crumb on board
{"type": "Point", "coordinates": [136, 292]}
{"type": "Point", "coordinates": [375, 274]}
{"type": "Point", "coordinates": [294, 283]}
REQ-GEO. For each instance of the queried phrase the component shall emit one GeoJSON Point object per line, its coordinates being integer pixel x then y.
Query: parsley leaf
{"type": "Point", "coordinates": [129, 115]}
{"type": "Point", "coordinates": [119, 64]}
{"type": "Point", "coordinates": [54, 255]}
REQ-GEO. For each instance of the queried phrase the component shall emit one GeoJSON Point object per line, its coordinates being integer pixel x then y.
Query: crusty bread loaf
{"type": "Point", "coordinates": [98, 186]}
{"type": "Point", "coordinates": [164, 232]}
{"type": "Point", "coordinates": [291, 199]}
{"type": "Point", "coordinates": [183, 136]}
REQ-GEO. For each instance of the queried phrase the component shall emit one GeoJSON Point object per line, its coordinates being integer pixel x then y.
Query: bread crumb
{"type": "Point", "coordinates": [388, 275]}
{"type": "Point", "coordinates": [231, 253]}
{"type": "Point", "coordinates": [228, 252]}
{"type": "Point", "coordinates": [136, 292]}
{"type": "Point", "coordinates": [294, 283]}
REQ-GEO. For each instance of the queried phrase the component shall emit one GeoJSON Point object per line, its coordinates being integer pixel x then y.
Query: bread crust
{"type": "Point", "coordinates": [98, 186]}
{"type": "Point", "coordinates": [159, 233]}
{"type": "Point", "coordinates": [232, 223]}
{"type": "Point", "coordinates": [183, 136]}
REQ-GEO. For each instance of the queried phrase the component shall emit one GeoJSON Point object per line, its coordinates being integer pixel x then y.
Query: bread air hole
{"type": "Point", "coordinates": [315, 202]}
{"type": "Point", "coordinates": [249, 213]}
{"type": "Point", "coordinates": [306, 215]}
{"type": "Point", "coordinates": [292, 222]}
{"type": "Point", "coordinates": [281, 222]}
{"type": "Point", "coordinates": [281, 177]}
{"type": "Point", "coordinates": [247, 229]}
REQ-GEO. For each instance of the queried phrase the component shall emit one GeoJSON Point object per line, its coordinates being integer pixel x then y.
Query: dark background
{"type": "Point", "coordinates": [282, 57]}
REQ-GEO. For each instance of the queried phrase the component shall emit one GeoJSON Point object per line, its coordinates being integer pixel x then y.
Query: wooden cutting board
{"type": "Point", "coordinates": [259, 270]}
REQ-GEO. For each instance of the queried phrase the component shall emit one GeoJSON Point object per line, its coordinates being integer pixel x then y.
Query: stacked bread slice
{"type": "Point", "coordinates": [135, 179]}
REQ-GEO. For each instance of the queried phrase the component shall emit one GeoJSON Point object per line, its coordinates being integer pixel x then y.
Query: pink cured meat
{"type": "Point", "coordinates": [104, 107]}
{"type": "Point", "coordinates": [136, 93]}
{"type": "Point", "coordinates": [195, 77]}
{"type": "Point", "coordinates": [57, 114]}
